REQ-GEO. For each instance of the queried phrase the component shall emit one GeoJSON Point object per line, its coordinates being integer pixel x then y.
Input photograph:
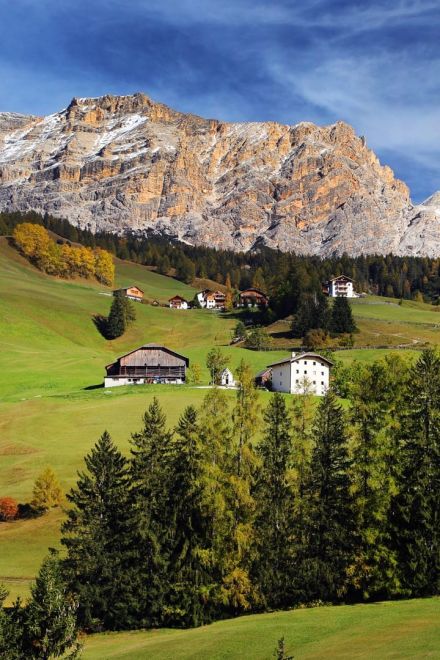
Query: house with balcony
{"type": "Point", "coordinates": [340, 287]}
{"type": "Point", "coordinates": [151, 363]}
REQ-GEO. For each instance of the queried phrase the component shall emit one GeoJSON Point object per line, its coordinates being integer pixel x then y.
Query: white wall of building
{"type": "Point", "coordinates": [109, 381]}
{"type": "Point", "coordinates": [309, 374]}
{"type": "Point", "coordinates": [281, 380]}
{"type": "Point", "coordinates": [338, 290]}
{"type": "Point", "coordinates": [181, 305]}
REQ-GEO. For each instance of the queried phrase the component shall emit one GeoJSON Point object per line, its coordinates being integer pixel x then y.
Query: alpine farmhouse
{"type": "Point", "coordinates": [133, 292]}
{"type": "Point", "coordinates": [253, 298]}
{"type": "Point", "coordinates": [301, 374]}
{"type": "Point", "coordinates": [151, 363]}
{"type": "Point", "coordinates": [340, 287]}
{"type": "Point", "coordinates": [177, 302]}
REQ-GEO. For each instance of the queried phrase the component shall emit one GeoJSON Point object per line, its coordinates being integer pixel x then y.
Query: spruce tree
{"type": "Point", "coordinates": [99, 537]}
{"type": "Point", "coordinates": [49, 619]}
{"type": "Point", "coordinates": [342, 317]}
{"type": "Point", "coordinates": [416, 511]}
{"type": "Point", "coordinates": [374, 483]}
{"type": "Point", "coordinates": [116, 323]}
{"type": "Point", "coordinates": [11, 628]}
{"type": "Point", "coordinates": [151, 483]}
{"type": "Point", "coordinates": [275, 506]}
{"type": "Point", "coordinates": [188, 543]}
{"type": "Point", "coordinates": [327, 552]}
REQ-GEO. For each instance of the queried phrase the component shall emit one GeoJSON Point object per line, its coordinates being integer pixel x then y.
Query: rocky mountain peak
{"type": "Point", "coordinates": [128, 163]}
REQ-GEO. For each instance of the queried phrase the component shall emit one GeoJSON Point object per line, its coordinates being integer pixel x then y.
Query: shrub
{"type": "Point", "coordinates": [315, 339]}
{"type": "Point", "coordinates": [8, 508]}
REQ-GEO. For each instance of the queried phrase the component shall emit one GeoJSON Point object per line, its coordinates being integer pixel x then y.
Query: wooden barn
{"type": "Point", "coordinates": [132, 292]}
{"type": "Point", "coordinates": [151, 363]}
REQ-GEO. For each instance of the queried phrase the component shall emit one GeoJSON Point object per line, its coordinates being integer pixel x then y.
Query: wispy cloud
{"type": "Point", "coordinates": [374, 64]}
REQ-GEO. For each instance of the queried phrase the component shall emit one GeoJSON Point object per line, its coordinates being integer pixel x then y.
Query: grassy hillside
{"type": "Point", "coordinates": [406, 629]}
{"type": "Point", "coordinates": [51, 354]}
{"type": "Point", "coordinates": [52, 362]}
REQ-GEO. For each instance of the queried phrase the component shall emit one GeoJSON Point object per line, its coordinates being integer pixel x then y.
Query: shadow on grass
{"type": "Point", "coordinates": [99, 386]}
{"type": "Point", "coordinates": [101, 324]}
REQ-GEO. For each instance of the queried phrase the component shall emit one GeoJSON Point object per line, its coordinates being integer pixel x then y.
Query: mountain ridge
{"type": "Point", "coordinates": [130, 164]}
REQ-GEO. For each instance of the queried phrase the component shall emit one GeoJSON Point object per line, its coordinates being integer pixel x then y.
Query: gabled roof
{"type": "Point", "coordinates": [340, 277]}
{"type": "Point", "coordinates": [151, 345]}
{"type": "Point", "coordinates": [252, 288]}
{"type": "Point", "coordinates": [132, 286]}
{"type": "Point", "coordinates": [301, 356]}
{"type": "Point", "coordinates": [263, 371]}
{"type": "Point", "coordinates": [177, 298]}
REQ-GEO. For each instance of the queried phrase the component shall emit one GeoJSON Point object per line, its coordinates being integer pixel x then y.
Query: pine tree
{"type": "Point", "coordinates": [416, 514]}
{"type": "Point", "coordinates": [374, 484]}
{"type": "Point", "coordinates": [99, 537]}
{"type": "Point", "coordinates": [342, 316]}
{"type": "Point", "coordinates": [49, 620]}
{"type": "Point", "coordinates": [238, 589]}
{"type": "Point", "coordinates": [151, 482]}
{"type": "Point", "coordinates": [116, 323]}
{"type": "Point", "coordinates": [275, 506]}
{"type": "Point", "coordinates": [188, 543]}
{"type": "Point", "coordinates": [11, 629]}
{"type": "Point", "coordinates": [327, 553]}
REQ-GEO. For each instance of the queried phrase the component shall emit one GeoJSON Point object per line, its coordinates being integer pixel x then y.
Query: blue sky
{"type": "Point", "coordinates": [374, 64]}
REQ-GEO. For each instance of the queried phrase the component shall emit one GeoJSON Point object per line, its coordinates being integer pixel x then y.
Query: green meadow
{"type": "Point", "coordinates": [53, 409]}
{"type": "Point", "coordinates": [405, 629]}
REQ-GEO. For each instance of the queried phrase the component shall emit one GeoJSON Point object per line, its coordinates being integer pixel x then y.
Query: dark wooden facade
{"type": "Point", "coordinates": [151, 362]}
{"type": "Point", "coordinates": [253, 296]}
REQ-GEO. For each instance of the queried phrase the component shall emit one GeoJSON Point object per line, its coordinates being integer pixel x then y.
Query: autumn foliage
{"type": "Point", "coordinates": [63, 260]}
{"type": "Point", "coordinates": [8, 508]}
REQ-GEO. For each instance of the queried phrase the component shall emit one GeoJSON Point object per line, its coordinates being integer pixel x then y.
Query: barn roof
{"type": "Point", "coordinates": [151, 346]}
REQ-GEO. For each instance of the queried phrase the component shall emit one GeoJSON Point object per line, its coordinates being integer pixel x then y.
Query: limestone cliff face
{"type": "Point", "coordinates": [130, 164]}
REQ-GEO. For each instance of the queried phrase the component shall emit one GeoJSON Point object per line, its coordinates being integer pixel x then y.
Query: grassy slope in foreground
{"type": "Point", "coordinates": [50, 352]}
{"type": "Point", "coordinates": [403, 629]}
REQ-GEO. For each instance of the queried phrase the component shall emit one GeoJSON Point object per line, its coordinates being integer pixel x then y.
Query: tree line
{"type": "Point", "coordinates": [62, 259]}
{"type": "Point", "coordinates": [246, 510]}
{"type": "Point", "coordinates": [285, 276]}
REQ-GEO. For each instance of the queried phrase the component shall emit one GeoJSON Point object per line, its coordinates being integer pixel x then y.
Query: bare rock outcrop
{"type": "Point", "coordinates": [127, 163]}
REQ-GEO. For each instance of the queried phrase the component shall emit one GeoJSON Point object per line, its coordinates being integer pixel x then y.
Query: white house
{"type": "Point", "coordinates": [341, 287]}
{"type": "Point", "coordinates": [301, 373]}
{"type": "Point", "coordinates": [177, 302]}
{"type": "Point", "coordinates": [211, 299]}
{"type": "Point", "coordinates": [227, 378]}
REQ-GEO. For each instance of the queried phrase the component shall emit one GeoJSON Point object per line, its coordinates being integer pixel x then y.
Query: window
{"type": "Point", "coordinates": [314, 382]}
{"type": "Point", "coordinates": [297, 371]}
{"type": "Point", "coordinates": [297, 381]}
{"type": "Point", "coordinates": [314, 363]}
{"type": "Point", "coordinates": [305, 361]}
{"type": "Point", "coordinates": [305, 371]}
{"type": "Point", "coordinates": [280, 383]}
{"type": "Point", "coordinates": [322, 382]}
{"type": "Point", "coordinates": [322, 373]}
